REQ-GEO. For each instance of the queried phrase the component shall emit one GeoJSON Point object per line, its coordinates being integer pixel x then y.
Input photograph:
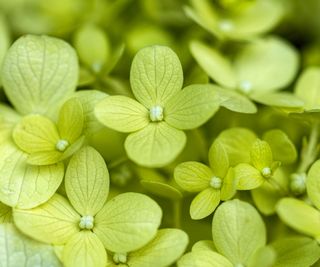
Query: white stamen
{"type": "Point", "coordinates": [226, 25]}
{"type": "Point", "coordinates": [86, 222]}
{"type": "Point", "coordinates": [245, 87]}
{"type": "Point", "coordinates": [62, 144]}
{"type": "Point", "coordinates": [216, 182]}
{"type": "Point", "coordinates": [266, 172]}
{"type": "Point", "coordinates": [156, 113]}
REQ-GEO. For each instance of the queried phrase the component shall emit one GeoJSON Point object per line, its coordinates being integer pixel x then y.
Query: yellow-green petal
{"type": "Point", "coordinates": [71, 120]}
{"type": "Point", "coordinates": [300, 216]}
{"type": "Point", "coordinates": [39, 73]}
{"type": "Point", "coordinates": [218, 159]}
{"type": "Point", "coordinates": [162, 251]}
{"type": "Point", "coordinates": [44, 158]}
{"type": "Point", "coordinates": [214, 64]}
{"type": "Point", "coordinates": [278, 99]}
{"type": "Point", "coordinates": [87, 181]}
{"type": "Point", "coordinates": [263, 257]}
{"type": "Point", "coordinates": [52, 222]}
{"type": "Point", "coordinates": [203, 245]}
{"type": "Point", "coordinates": [238, 231]}
{"type": "Point", "coordinates": [229, 185]}
{"type": "Point", "coordinates": [8, 119]}
{"type": "Point", "coordinates": [191, 107]}
{"type": "Point", "coordinates": [156, 75]}
{"type": "Point", "coordinates": [193, 176]}
{"type": "Point", "coordinates": [23, 185]}
{"type": "Point", "coordinates": [84, 249]}
{"type": "Point", "coordinates": [127, 222]}
{"type": "Point", "coordinates": [261, 155]}
{"type": "Point", "coordinates": [313, 184]}
{"type": "Point", "coordinates": [204, 203]}
{"type": "Point", "coordinates": [247, 177]}
{"type": "Point", "coordinates": [204, 258]}
{"type": "Point", "coordinates": [122, 113]}
{"type": "Point", "coordinates": [36, 133]}
{"type": "Point", "coordinates": [156, 145]}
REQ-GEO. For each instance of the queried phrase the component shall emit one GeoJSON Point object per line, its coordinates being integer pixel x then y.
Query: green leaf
{"type": "Point", "coordinates": [87, 181]}
{"type": "Point", "coordinates": [23, 185]}
{"type": "Point", "coordinates": [214, 64]}
{"type": "Point", "coordinates": [19, 250]}
{"type": "Point", "coordinates": [261, 155]}
{"type": "Point", "coordinates": [52, 222]}
{"type": "Point", "coordinates": [204, 203]}
{"type": "Point", "coordinates": [39, 73]}
{"type": "Point", "coordinates": [70, 122]}
{"type": "Point", "coordinates": [300, 216]}
{"type": "Point", "coordinates": [5, 213]}
{"type": "Point", "coordinates": [247, 177]}
{"type": "Point", "coordinates": [218, 159]}
{"type": "Point", "coordinates": [238, 231]}
{"type": "Point", "coordinates": [204, 258]}
{"type": "Point", "coordinates": [237, 142]}
{"type": "Point", "coordinates": [193, 176]}
{"type": "Point", "coordinates": [36, 133]}
{"type": "Point", "coordinates": [84, 249]}
{"type": "Point", "coordinates": [122, 113]}
{"type": "Point", "coordinates": [281, 146]}
{"type": "Point", "coordinates": [8, 119]}
{"type": "Point", "coordinates": [266, 65]}
{"type": "Point", "coordinates": [307, 88]}
{"type": "Point", "coordinates": [127, 222]}
{"type": "Point", "coordinates": [92, 45]}
{"type": "Point", "coordinates": [263, 257]}
{"type": "Point", "coordinates": [156, 145]}
{"type": "Point", "coordinates": [278, 99]}
{"type": "Point", "coordinates": [191, 107]}
{"type": "Point", "coordinates": [156, 75]}
{"type": "Point", "coordinates": [162, 251]}
{"type": "Point", "coordinates": [313, 184]}
{"type": "Point", "coordinates": [296, 251]}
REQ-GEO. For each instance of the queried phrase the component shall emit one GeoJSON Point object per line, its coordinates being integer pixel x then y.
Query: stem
{"type": "Point", "coordinates": [117, 163]}
{"type": "Point", "coordinates": [309, 153]}
{"type": "Point", "coordinates": [177, 213]}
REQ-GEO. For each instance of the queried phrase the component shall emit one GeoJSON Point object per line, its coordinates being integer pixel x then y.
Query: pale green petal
{"type": "Point", "coordinates": [23, 185]}
{"type": "Point", "coordinates": [5, 39]}
{"type": "Point", "coordinates": [300, 216]}
{"type": "Point", "coordinates": [278, 99]}
{"type": "Point", "coordinates": [92, 45]}
{"type": "Point", "coordinates": [313, 184]}
{"type": "Point", "coordinates": [238, 231]}
{"type": "Point", "coordinates": [229, 185]}
{"type": "Point", "coordinates": [39, 73]}
{"type": "Point", "coordinates": [214, 64]}
{"type": "Point", "coordinates": [307, 88]}
{"type": "Point", "coordinates": [261, 155]}
{"type": "Point", "coordinates": [89, 99]}
{"type": "Point", "coordinates": [156, 75]}
{"type": "Point", "coordinates": [8, 119]}
{"type": "Point", "coordinates": [296, 251]}
{"type": "Point", "coordinates": [193, 176]}
{"type": "Point", "coordinates": [36, 133]}
{"type": "Point", "coordinates": [156, 145]}
{"type": "Point", "coordinates": [122, 113]}
{"type": "Point", "coordinates": [281, 146]}
{"type": "Point", "coordinates": [266, 65]}
{"type": "Point", "coordinates": [52, 222]}
{"type": "Point", "coordinates": [204, 245]}
{"type": "Point", "coordinates": [218, 159]}
{"type": "Point", "coordinates": [162, 251]}
{"type": "Point", "coordinates": [127, 222]}
{"type": "Point", "coordinates": [84, 249]}
{"type": "Point", "coordinates": [204, 203]}
{"type": "Point", "coordinates": [191, 107]}
{"type": "Point", "coordinates": [233, 100]}
{"type": "Point", "coordinates": [44, 158]}
{"type": "Point", "coordinates": [5, 213]}
{"type": "Point", "coordinates": [19, 250]}
{"type": "Point", "coordinates": [71, 120]}
{"type": "Point", "coordinates": [247, 177]}
{"type": "Point", "coordinates": [263, 257]}
{"type": "Point", "coordinates": [87, 181]}
{"type": "Point", "coordinates": [237, 142]}
{"type": "Point", "coordinates": [204, 258]}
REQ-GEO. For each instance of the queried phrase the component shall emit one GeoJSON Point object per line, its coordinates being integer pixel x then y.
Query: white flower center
{"type": "Point", "coordinates": [62, 144]}
{"type": "Point", "coordinates": [156, 113]}
{"type": "Point", "coordinates": [216, 182]}
{"type": "Point", "coordinates": [86, 222]}
{"type": "Point", "coordinates": [266, 172]}
{"type": "Point", "coordinates": [245, 87]}
{"type": "Point", "coordinates": [298, 183]}
{"type": "Point", "coordinates": [120, 258]}
{"type": "Point", "coordinates": [226, 25]}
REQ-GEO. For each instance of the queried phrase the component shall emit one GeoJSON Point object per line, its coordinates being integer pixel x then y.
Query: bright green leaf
{"type": "Point", "coordinates": [122, 113]}
{"type": "Point", "coordinates": [238, 231]}
{"type": "Point", "coordinates": [52, 222]}
{"type": "Point", "coordinates": [313, 184]}
{"type": "Point", "coordinates": [156, 75]}
{"type": "Point", "coordinates": [127, 222]}
{"type": "Point", "coordinates": [247, 177]}
{"type": "Point", "coordinates": [156, 145]}
{"type": "Point", "coordinates": [39, 73]}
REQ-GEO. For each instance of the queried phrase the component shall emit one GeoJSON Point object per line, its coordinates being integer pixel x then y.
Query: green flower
{"type": "Point", "coordinates": [86, 225]}
{"type": "Point", "coordinates": [213, 183]}
{"type": "Point", "coordinates": [157, 121]}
